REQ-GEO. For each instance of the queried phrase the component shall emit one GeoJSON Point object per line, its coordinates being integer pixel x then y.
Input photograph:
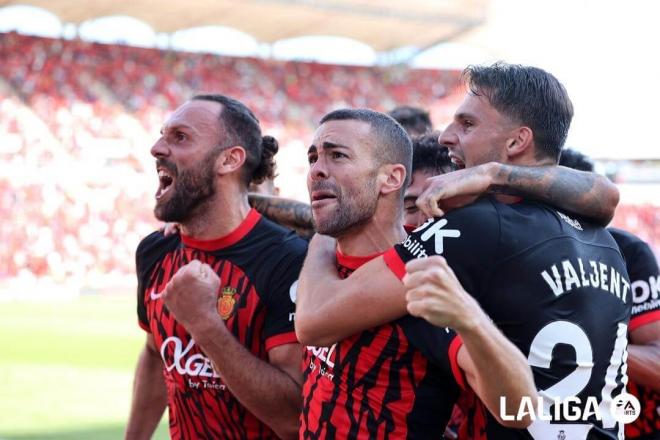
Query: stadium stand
{"type": "Point", "coordinates": [77, 120]}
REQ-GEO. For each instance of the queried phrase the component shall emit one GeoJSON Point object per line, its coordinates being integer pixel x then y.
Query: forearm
{"type": "Point", "coordinates": [587, 194]}
{"type": "Point", "coordinates": [266, 391]}
{"type": "Point", "coordinates": [286, 212]}
{"type": "Point", "coordinates": [498, 369]}
{"type": "Point", "coordinates": [329, 309]}
{"type": "Point", "coordinates": [644, 365]}
{"type": "Point", "coordinates": [149, 397]}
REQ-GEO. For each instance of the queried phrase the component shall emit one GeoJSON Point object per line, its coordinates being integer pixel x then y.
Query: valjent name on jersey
{"type": "Point", "coordinates": [572, 274]}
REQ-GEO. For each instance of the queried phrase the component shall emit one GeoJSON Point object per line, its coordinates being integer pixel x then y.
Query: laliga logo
{"type": "Point", "coordinates": [624, 408]}
{"type": "Point", "coordinates": [195, 365]}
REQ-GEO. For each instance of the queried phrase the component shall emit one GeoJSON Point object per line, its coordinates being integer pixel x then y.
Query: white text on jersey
{"type": "Point", "coordinates": [563, 277]}
{"type": "Point", "coordinates": [195, 365]}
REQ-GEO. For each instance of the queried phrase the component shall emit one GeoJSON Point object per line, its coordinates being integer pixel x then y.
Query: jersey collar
{"type": "Point", "coordinates": [230, 239]}
{"type": "Point", "coordinates": [351, 262]}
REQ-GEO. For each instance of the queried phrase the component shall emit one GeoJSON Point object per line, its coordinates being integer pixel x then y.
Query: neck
{"type": "Point", "coordinates": [218, 216]}
{"type": "Point", "coordinates": [377, 235]}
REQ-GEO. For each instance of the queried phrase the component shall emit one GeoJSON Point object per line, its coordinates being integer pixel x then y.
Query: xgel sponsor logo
{"type": "Point", "coordinates": [195, 365]}
{"type": "Point", "coordinates": [325, 354]}
{"type": "Point", "coordinates": [324, 357]}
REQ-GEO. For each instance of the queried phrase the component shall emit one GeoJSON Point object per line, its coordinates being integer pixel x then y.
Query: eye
{"type": "Point", "coordinates": [338, 155]}
{"type": "Point", "coordinates": [311, 158]}
{"type": "Point", "coordinates": [180, 136]}
{"type": "Point", "coordinates": [467, 123]}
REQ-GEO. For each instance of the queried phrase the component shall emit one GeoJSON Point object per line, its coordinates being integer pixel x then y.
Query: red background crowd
{"type": "Point", "coordinates": [77, 120]}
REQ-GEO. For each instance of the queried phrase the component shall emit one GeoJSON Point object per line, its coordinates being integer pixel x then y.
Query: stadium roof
{"type": "Point", "coordinates": [382, 24]}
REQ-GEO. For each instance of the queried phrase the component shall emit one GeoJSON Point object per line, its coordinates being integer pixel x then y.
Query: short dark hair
{"type": "Point", "coordinates": [393, 145]}
{"type": "Point", "coordinates": [571, 158]}
{"type": "Point", "coordinates": [529, 96]}
{"type": "Point", "coordinates": [414, 120]}
{"type": "Point", "coordinates": [242, 128]}
{"type": "Point", "coordinates": [429, 155]}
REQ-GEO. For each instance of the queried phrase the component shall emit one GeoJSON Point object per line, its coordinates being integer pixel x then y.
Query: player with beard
{"type": "Point", "coordinates": [227, 363]}
{"type": "Point", "coordinates": [556, 286]}
{"type": "Point", "coordinates": [644, 328]}
{"type": "Point", "coordinates": [398, 380]}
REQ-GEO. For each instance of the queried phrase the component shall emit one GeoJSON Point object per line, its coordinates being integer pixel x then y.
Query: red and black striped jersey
{"type": "Point", "coordinates": [645, 285]}
{"type": "Point", "coordinates": [396, 381]}
{"type": "Point", "coordinates": [557, 287]}
{"type": "Point", "coordinates": [258, 264]}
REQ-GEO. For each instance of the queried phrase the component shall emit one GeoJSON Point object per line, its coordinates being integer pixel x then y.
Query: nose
{"type": "Point", "coordinates": [448, 136]}
{"type": "Point", "coordinates": [318, 170]}
{"type": "Point", "coordinates": [159, 149]}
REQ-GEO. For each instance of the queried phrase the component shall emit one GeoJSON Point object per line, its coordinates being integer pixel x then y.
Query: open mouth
{"type": "Point", "coordinates": [165, 181]}
{"type": "Point", "coordinates": [456, 161]}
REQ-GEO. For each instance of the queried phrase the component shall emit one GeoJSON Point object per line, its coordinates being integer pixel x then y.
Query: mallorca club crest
{"type": "Point", "coordinates": [226, 302]}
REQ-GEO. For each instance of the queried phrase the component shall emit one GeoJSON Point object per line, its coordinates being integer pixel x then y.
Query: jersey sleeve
{"type": "Point", "coordinates": [466, 238]}
{"type": "Point", "coordinates": [281, 295]}
{"type": "Point", "coordinates": [148, 252]}
{"type": "Point", "coordinates": [438, 344]}
{"type": "Point", "coordinates": [645, 283]}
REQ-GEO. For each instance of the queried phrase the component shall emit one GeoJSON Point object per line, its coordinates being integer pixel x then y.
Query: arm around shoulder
{"type": "Point", "coordinates": [329, 309]}
{"type": "Point", "coordinates": [586, 194]}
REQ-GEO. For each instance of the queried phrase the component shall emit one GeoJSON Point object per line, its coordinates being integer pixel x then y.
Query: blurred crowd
{"type": "Point", "coordinates": [77, 120]}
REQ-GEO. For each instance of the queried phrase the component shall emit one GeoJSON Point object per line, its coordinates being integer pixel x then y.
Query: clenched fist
{"type": "Point", "coordinates": [436, 295]}
{"type": "Point", "coordinates": [192, 294]}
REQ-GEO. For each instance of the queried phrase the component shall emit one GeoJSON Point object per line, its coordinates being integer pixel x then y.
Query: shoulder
{"type": "Point", "coordinates": [628, 241]}
{"type": "Point", "coordinates": [484, 216]}
{"type": "Point", "coordinates": [477, 224]}
{"type": "Point", "coordinates": [273, 257]}
{"type": "Point", "coordinates": [640, 259]}
{"type": "Point", "coordinates": [530, 224]}
{"type": "Point", "coordinates": [487, 206]}
{"type": "Point", "coordinates": [154, 246]}
{"type": "Point", "coordinates": [279, 242]}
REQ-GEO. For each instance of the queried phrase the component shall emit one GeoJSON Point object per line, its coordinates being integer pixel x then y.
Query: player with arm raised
{"type": "Point", "coordinates": [227, 351]}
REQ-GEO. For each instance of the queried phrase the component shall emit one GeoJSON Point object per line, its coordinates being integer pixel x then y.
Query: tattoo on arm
{"type": "Point", "coordinates": [289, 213]}
{"type": "Point", "coordinates": [586, 194]}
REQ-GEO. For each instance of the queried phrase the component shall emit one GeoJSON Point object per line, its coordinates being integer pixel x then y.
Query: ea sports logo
{"type": "Point", "coordinates": [625, 408]}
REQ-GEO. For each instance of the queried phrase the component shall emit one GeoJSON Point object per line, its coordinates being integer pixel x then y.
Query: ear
{"type": "Point", "coordinates": [230, 160]}
{"type": "Point", "coordinates": [521, 142]}
{"type": "Point", "coordinates": [391, 177]}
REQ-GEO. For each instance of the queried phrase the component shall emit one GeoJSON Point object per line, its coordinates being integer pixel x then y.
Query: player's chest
{"type": "Point", "coordinates": [237, 303]}
{"type": "Point", "coordinates": [236, 294]}
{"type": "Point", "coordinates": [361, 357]}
